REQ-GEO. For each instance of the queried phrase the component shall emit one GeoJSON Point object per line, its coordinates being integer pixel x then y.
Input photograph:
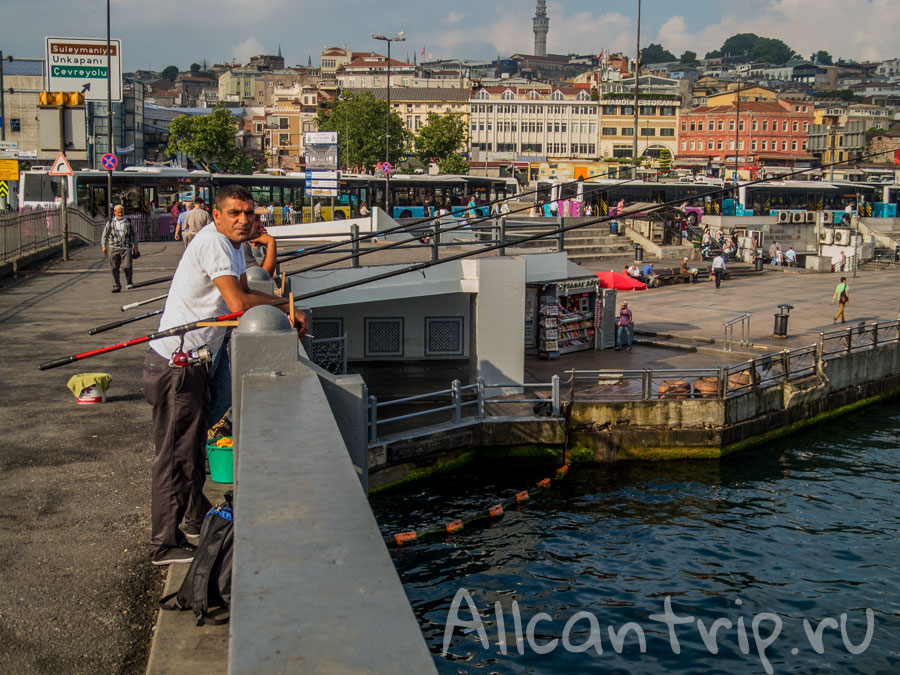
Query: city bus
{"type": "Point", "coordinates": [137, 188]}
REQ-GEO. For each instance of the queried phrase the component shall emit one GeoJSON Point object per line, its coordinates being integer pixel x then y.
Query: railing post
{"type": "Point", "coordinates": [645, 388]}
{"type": "Point", "coordinates": [820, 350]}
{"type": "Point", "coordinates": [571, 386]}
{"type": "Point", "coordinates": [456, 399]}
{"type": "Point", "coordinates": [722, 381]}
{"type": "Point", "coordinates": [754, 376]}
{"type": "Point", "coordinates": [354, 243]}
{"type": "Point", "coordinates": [849, 339]}
{"type": "Point", "coordinates": [554, 386]}
{"type": "Point", "coordinates": [435, 242]}
{"type": "Point", "coordinates": [786, 364]}
{"type": "Point", "coordinates": [479, 391]}
{"type": "Point", "coordinates": [502, 237]}
{"type": "Point", "coordinates": [874, 334]}
{"type": "Point", "coordinates": [561, 235]}
{"type": "Point", "coordinates": [373, 419]}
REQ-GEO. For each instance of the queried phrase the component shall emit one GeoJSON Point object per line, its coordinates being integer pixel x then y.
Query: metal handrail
{"type": "Point", "coordinates": [744, 319]}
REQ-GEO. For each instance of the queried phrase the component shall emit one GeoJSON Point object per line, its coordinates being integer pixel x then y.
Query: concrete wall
{"type": "Point", "coordinates": [499, 327]}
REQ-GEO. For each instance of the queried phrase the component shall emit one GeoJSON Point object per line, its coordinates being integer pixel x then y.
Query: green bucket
{"type": "Point", "coordinates": [221, 463]}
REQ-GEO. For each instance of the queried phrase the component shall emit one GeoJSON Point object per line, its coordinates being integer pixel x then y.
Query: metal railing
{"type": "Point", "coordinates": [744, 320]}
{"type": "Point", "coordinates": [728, 381]}
{"type": "Point", "coordinates": [484, 407]}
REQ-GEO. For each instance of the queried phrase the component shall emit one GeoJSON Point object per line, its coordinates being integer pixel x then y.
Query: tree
{"type": "Point", "coordinates": [195, 68]}
{"type": "Point", "coordinates": [209, 140]}
{"type": "Point", "coordinates": [689, 58]}
{"type": "Point", "coordinates": [822, 57]}
{"type": "Point", "coordinates": [454, 164]}
{"type": "Point", "coordinates": [738, 45]}
{"type": "Point", "coordinates": [169, 73]}
{"type": "Point", "coordinates": [441, 138]}
{"type": "Point", "coordinates": [665, 160]}
{"type": "Point", "coordinates": [770, 50]}
{"type": "Point", "coordinates": [655, 53]}
{"type": "Point", "coordinates": [360, 119]}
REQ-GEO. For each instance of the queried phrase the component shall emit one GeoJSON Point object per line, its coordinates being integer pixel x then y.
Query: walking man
{"type": "Point", "coordinates": [195, 220]}
{"type": "Point", "coordinates": [317, 211]}
{"type": "Point", "coordinates": [210, 280]}
{"type": "Point", "coordinates": [842, 296]}
{"type": "Point", "coordinates": [119, 241]}
{"type": "Point", "coordinates": [718, 268]}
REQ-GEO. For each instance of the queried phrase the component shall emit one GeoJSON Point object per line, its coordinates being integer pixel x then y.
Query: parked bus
{"type": "Point", "coordinates": [136, 188]}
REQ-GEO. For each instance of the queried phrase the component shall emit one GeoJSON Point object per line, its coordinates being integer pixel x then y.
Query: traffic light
{"type": "Point", "coordinates": [61, 98]}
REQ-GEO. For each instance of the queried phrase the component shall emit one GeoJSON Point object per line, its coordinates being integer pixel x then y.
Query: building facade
{"type": "Point", "coordinates": [657, 126]}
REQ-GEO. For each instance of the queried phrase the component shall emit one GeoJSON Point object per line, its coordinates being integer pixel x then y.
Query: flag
{"type": "Point", "coordinates": [896, 156]}
{"type": "Point", "coordinates": [423, 52]}
{"type": "Point", "coordinates": [600, 56]}
{"type": "Point", "coordinates": [429, 57]}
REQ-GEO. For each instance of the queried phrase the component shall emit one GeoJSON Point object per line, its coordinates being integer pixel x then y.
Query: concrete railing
{"type": "Point", "coordinates": [314, 588]}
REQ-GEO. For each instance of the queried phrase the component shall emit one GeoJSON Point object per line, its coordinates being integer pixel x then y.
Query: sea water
{"type": "Point", "coordinates": [783, 558]}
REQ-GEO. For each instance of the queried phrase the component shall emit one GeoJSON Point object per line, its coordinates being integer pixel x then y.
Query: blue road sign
{"type": "Point", "coordinates": [734, 175]}
{"type": "Point", "coordinates": [109, 162]}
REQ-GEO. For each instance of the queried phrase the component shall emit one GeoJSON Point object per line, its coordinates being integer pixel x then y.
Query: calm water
{"type": "Point", "coordinates": [804, 529]}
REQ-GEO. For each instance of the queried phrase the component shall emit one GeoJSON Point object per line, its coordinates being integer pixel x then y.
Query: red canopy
{"type": "Point", "coordinates": [619, 281]}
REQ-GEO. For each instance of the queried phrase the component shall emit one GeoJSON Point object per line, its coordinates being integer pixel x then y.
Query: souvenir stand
{"type": "Point", "coordinates": [561, 317]}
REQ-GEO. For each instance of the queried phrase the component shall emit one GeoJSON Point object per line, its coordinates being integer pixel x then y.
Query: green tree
{"type": "Point", "coordinates": [209, 140]}
{"type": "Point", "coordinates": [170, 73]}
{"type": "Point", "coordinates": [822, 57]}
{"type": "Point", "coordinates": [441, 137]}
{"type": "Point", "coordinates": [454, 164]}
{"type": "Point", "coordinates": [360, 119]}
{"type": "Point", "coordinates": [655, 53]}
{"type": "Point", "coordinates": [195, 68]}
{"type": "Point", "coordinates": [665, 160]}
{"type": "Point", "coordinates": [770, 50]}
{"type": "Point", "coordinates": [689, 58]}
{"type": "Point", "coordinates": [738, 45]}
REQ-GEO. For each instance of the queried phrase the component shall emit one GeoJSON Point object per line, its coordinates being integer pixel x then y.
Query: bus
{"type": "Point", "coordinates": [409, 194]}
{"type": "Point", "coordinates": [137, 188]}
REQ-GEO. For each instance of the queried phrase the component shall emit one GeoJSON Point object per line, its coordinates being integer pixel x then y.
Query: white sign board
{"type": "Point", "coordinates": [321, 138]}
{"type": "Point", "coordinates": [9, 149]}
{"type": "Point", "coordinates": [80, 64]}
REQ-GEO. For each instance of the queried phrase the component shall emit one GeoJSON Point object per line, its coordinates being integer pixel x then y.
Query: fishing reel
{"type": "Point", "coordinates": [191, 357]}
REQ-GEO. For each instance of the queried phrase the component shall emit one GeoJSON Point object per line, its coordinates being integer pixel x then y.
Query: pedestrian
{"type": "Point", "coordinates": [175, 210]}
{"type": "Point", "coordinates": [696, 243]}
{"type": "Point", "coordinates": [471, 213]}
{"type": "Point", "coordinates": [706, 243]}
{"type": "Point", "coordinates": [317, 211]}
{"type": "Point", "coordinates": [649, 276]}
{"type": "Point", "coordinates": [773, 250]}
{"type": "Point", "coordinates": [718, 268]}
{"type": "Point", "coordinates": [180, 229]}
{"type": "Point", "coordinates": [790, 257]}
{"type": "Point", "coordinates": [625, 331]}
{"type": "Point", "coordinates": [195, 220]}
{"type": "Point", "coordinates": [842, 297]}
{"type": "Point", "coordinates": [504, 208]}
{"type": "Point", "coordinates": [842, 262]}
{"type": "Point", "coordinates": [210, 280]}
{"type": "Point", "coordinates": [364, 210]}
{"type": "Point", "coordinates": [119, 242]}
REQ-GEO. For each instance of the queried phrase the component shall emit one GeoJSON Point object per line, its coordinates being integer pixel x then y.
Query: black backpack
{"type": "Point", "coordinates": [208, 580]}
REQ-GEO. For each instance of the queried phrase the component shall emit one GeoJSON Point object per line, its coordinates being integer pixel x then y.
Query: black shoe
{"type": "Point", "coordinates": [179, 554]}
{"type": "Point", "coordinates": [117, 289]}
{"type": "Point", "coordinates": [192, 532]}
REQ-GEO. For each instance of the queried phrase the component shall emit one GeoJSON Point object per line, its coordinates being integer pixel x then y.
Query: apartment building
{"type": "Point", "coordinates": [370, 71]}
{"type": "Point", "coordinates": [657, 123]}
{"type": "Point", "coordinates": [287, 121]}
{"type": "Point", "coordinates": [413, 104]}
{"type": "Point", "coordinates": [249, 86]}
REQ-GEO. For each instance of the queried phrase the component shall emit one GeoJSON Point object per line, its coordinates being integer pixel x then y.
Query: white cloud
{"type": "Point", "coordinates": [242, 51]}
{"type": "Point", "coordinates": [453, 17]}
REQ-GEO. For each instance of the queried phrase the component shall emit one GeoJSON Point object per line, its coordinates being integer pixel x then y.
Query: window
{"type": "Point", "coordinates": [709, 145]}
{"type": "Point", "coordinates": [283, 123]}
{"type": "Point", "coordinates": [741, 144]}
{"type": "Point", "coordinates": [741, 125]}
{"type": "Point", "coordinates": [700, 126]}
{"type": "Point", "coordinates": [648, 132]}
{"type": "Point", "coordinates": [805, 129]}
{"type": "Point", "coordinates": [784, 146]}
{"type": "Point", "coordinates": [730, 125]}
{"type": "Point", "coordinates": [621, 151]}
{"type": "Point", "coordinates": [784, 126]}
{"type": "Point", "coordinates": [648, 110]}
{"type": "Point", "coordinates": [765, 125]}
{"type": "Point", "coordinates": [284, 139]}
{"type": "Point", "coordinates": [684, 126]}
{"type": "Point", "coordinates": [692, 145]}
{"type": "Point", "coordinates": [721, 125]}
{"type": "Point", "coordinates": [753, 146]}
{"type": "Point", "coordinates": [684, 145]}
{"type": "Point", "coordinates": [557, 96]}
{"type": "Point", "coordinates": [384, 336]}
{"type": "Point", "coordinates": [627, 110]}
{"type": "Point", "coordinates": [731, 145]}
{"type": "Point", "coordinates": [667, 110]}
{"type": "Point", "coordinates": [628, 131]}
{"type": "Point", "coordinates": [794, 127]}
{"type": "Point", "coordinates": [609, 109]}
{"type": "Point", "coordinates": [794, 145]}
{"type": "Point", "coordinates": [15, 124]}
{"type": "Point", "coordinates": [693, 126]}
{"type": "Point", "coordinates": [719, 144]}
{"type": "Point", "coordinates": [765, 145]}
{"type": "Point", "coordinates": [755, 125]}
{"type": "Point", "coordinates": [444, 336]}
{"type": "Point", "coordinates": [609, 131]}
{"type": "Point", "coordinates": [667, 132]}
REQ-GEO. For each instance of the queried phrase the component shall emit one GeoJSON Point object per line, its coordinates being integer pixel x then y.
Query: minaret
{"type": "Point", "coordinates": [541, 27]}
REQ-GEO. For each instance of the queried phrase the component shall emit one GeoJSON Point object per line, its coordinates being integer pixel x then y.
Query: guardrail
{"type": "Point", "coordinates": [744, 320]}
{"type": "Point", "coordinates": [484, 406]}
{"type": "Point", "coordinates": [728, 381]}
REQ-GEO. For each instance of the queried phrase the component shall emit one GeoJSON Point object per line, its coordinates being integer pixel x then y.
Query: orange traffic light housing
{"type": "Point", "coordinates": [61, 98]}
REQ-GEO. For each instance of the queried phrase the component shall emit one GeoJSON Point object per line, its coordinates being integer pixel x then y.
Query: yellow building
{"type": "Point", "coordinates": [287, 121]}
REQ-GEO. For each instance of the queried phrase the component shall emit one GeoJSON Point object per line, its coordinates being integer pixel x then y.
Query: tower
{"type": "Point", "coordinates": [541, 27]}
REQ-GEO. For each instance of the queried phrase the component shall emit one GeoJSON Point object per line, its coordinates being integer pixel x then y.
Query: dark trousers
{"type": "Point", "coordinates": [718, 272]}
{"type": "Point", "coordinates": [120, 257]}
{"type": "Point", "coordinates": [180, 400]}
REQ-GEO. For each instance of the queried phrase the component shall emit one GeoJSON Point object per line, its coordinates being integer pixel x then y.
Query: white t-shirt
{"type": "Point", "coordinates": [718, 262]}
{"type": "Point", "coordinates": [193, 295]}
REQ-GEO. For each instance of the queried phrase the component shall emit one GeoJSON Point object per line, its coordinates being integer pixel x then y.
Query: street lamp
{"type": "Point", "coordinates": [387, 138]}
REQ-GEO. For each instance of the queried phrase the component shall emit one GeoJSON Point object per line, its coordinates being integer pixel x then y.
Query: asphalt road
{"type": "Point", "coordinates": [77, 591]}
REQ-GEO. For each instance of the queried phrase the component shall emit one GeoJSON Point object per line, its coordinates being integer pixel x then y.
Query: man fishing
{"type": "Point", "coordinates": [209, 281]}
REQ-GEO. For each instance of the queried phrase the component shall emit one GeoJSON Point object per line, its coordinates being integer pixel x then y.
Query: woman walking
{"type": "Point", "coordinates": [842, 296]}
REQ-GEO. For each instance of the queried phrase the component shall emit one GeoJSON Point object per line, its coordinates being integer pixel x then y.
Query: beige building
{"type": "Point", "coordinates": [413, 104]}
{"type": "Point", "coordinates": [257, 87]}
{"type": "Point", "coordinates": [369, 71]}
{"type": "Point", "coordinates": [287, 121]}
{"type": "Point", "coordinates": [657, 127]}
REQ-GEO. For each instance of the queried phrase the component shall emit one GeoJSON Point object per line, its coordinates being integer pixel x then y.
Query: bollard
{"type": "Point", "coordinates": [354, 243]}
{"type": "Point", "coordinates": [435, 242]}
{"type": "Point", "coordinates": [373, 419]}
{"type": "Point", "coordinates": [554, 382]}
{"type": "Point", "coordinates": [456, 399]}
{"type": "Point", "coordinates": [479, 390]}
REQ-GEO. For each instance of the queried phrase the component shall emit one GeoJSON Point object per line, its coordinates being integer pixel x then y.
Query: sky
{"type": "Point", "coordinates": [160, 33]}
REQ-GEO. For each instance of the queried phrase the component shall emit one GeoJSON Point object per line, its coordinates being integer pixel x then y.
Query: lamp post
{"type": "Point", "coordinates": [637, 75]}
{"type": "Point", "coordinates": [387, 137]}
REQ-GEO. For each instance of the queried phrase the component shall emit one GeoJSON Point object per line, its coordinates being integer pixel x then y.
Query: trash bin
{"type": "Point", "coordinates": [781, 321]}
{"type": "Point", "coordinates": [758, 263]}
{"type": "Point", "coordinates": [613, 228]}
{"type": "Point", "coordinates": [638, 253]}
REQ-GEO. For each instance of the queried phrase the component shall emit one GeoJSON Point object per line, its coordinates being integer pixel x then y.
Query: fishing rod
{"type": "Point", "coordinates": [134, 305]}
{"type": "Point", "coordinates": [169, 332]}
{"type": "Point", "coordinates": [116, 324]}
{"type": "Point", "coordinates": [151, 282]}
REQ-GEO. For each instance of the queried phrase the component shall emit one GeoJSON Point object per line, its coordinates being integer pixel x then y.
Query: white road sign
{"type": "Point", "coordinates": [80, 64]}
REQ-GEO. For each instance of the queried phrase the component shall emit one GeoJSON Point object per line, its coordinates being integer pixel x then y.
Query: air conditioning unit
{"type": "Point", "coordinates": [811, 216]}
{"type": "Point", "coordinates": [826, 236]}
{"type": "Point", "coordinates": [798, 217]}
{"type": "Point", "coordinates": [842, 237]}
{"type": "Point", "coordinates": [825, 218]}
{"type": "Point", "coordinates": [782, 216]}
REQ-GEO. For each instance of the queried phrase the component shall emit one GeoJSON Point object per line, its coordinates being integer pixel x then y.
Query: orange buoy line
{"type": "Point", "coordinates": [493, 512]}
